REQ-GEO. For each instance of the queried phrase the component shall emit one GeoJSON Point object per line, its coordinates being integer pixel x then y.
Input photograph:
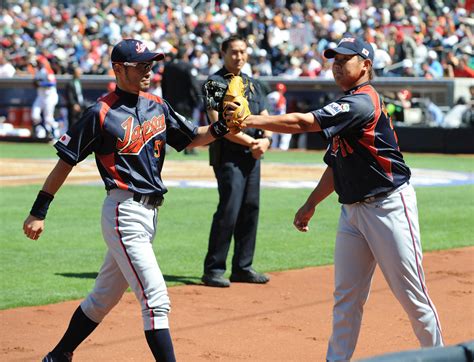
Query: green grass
{"type": "Point", "coordinates": [464, 163]}
{"type": "Point", "coordinates": [63, 263]}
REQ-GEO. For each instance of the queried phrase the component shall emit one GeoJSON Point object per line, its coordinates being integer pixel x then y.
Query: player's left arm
{"type": "Point", "coordinates": [205, 135]}
{"type": "Point", "coordinates": [322, 190]}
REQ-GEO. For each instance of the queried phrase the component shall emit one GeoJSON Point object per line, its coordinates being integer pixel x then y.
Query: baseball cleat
{"type": "Point", "coordinates": [250, 276]}
{"type": "Point", "coordinates": [215, 281]}
{"type": "Point", "coordinates": [64, 357]}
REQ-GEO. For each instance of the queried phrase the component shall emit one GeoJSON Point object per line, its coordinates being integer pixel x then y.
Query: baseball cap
{"type": "Point", "coordinates": [350, 45]}
{"type": "Point", "coordinates": [281, 87]}
{"type": "Point", "coordinates": [131, 50]}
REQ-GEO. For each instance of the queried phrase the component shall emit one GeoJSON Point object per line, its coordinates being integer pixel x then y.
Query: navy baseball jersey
{"type": "Point", "coordinates": [363, 148]}
{"type": "Point", "coordinates": [128, 134]}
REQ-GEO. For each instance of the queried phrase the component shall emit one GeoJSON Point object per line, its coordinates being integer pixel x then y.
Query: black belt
{"type": "Point", "coordinates": [385, 194]}
{"type": "Point", "coordinates": [153, 200]}
{"type": "Point", "coordinates": [378, 196]}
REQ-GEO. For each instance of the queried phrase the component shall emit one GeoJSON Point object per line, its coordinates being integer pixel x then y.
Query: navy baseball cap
{"type": "Point", "coordinates": [133, 51]}
{"type": "Point", "coordinates": [350, 45]}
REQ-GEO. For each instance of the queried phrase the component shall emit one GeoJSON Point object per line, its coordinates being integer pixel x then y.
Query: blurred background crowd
{"type": "Point", "coordinates": [423, 38]}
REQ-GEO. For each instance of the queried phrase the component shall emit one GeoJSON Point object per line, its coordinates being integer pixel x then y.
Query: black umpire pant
{"type": "Point", "coordinates": [238, 183]}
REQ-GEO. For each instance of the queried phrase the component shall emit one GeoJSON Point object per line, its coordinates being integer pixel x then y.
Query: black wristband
{"type": "Point", "coordinates": [218, 129]}
{"type": "Point", "coordinates": [41, 205]}
{"type": "Point", "coordinates": [270, 139]}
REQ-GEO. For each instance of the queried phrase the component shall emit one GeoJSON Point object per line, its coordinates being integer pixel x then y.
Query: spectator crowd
{"type": "Point", "coordinates": [424, 38]}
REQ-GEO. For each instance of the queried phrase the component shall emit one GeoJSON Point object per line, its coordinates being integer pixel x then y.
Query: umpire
{"type": "Point", "coordinates": [236, 163]}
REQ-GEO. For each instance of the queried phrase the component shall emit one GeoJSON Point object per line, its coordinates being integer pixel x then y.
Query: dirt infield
{"type": "Point", "coordinates": [28, 171]}
{"type": "Point", "coordinates": [286, 320]}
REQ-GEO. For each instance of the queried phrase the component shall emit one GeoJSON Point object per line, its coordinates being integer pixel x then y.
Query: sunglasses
{"type": "Point", "coordinates": [142, 66]}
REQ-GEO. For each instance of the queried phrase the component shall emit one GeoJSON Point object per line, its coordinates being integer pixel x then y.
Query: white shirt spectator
{"type": "Point", "coordinates": [247, 69]}
{"type": "Point", "coordinates": [277, 36]}
{"type": "Point", "coordinates": [6, 69]}
{"type": "Point", "coordinates": [420, 54]}
{"type": "Point", "coordinates": [381, 58]}
{"type": "Point", "coordinates": [314, 65]}
{"type": "Point", "coordinates": [263, 65]}
{"type": "Point", "coordinates": [200, 59]}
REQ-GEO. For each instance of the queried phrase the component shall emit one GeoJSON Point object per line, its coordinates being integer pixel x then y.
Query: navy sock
{"type": "Point", "coordinates": [159, 341]}
{"type": "Point", "coordinates": [79, 328]}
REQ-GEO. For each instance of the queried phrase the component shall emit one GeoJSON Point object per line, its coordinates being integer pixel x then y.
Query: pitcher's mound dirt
{"type": "Point", "coordinates": [288, 319]}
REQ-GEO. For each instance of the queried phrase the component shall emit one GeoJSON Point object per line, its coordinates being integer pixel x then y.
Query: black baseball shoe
{"type": "Point", "coordinates": [217, 281]}
{"type": "Point", "coordinates": [249, 276]}
{"type": "Point", "coordinates": [64, 357]}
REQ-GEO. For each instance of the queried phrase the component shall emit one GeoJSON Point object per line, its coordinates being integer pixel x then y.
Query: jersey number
{"type": "Point", "coordinates": [157, 148]}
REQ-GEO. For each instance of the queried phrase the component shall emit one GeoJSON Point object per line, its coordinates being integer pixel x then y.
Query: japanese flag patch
{"type": "Point", "coordinates": [65, 138]}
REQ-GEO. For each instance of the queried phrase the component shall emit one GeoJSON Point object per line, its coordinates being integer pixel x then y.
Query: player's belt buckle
{"type": "Point", "coordinates": [150, 200]}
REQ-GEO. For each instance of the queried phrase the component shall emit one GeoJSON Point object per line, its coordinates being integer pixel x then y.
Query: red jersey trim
{"type": "Point", "coordinates": [108, 162]}
{"type": "Point", "coordinates": [368, 138]}
{"type": "Point", "coordinates": [106, 102]}
{"type": "Point", "coordinates": [151, 97]}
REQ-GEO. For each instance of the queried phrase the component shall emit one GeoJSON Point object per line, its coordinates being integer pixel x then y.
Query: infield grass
{"type": "Point", "coordinates": [63, 263]}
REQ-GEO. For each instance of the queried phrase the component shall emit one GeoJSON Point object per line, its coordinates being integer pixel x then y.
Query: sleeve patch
{"type": "Point", "coordinates": [65, 138]}
{"type": "Point", "coordinates": [345, 107]}
{"type": "Point", "coordinates": [333, 108]}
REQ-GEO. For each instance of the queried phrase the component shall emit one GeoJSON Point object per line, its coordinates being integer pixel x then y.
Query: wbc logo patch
{"type": "Point", "coordinates": [333, 108]}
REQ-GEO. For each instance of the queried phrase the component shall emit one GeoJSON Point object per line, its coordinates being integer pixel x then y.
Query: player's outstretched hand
{"type": "Point", "coordinates": [33, 227]}
{"type": "Point", "coordinates": [235, 113]}
{"type": "Point", "coordinates": [302, 217]}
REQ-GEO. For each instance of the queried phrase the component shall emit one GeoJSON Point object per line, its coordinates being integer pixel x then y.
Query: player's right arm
{"type": "Point", "coordinates": [284, 123]}
{"type": "Point", "coordinates": [34, 224]}
{"type": "Point", "coordinates": [322, 190]}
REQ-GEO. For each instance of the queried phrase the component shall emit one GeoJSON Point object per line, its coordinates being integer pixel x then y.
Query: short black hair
{"type": "Point", "coordinates": [230, 39]}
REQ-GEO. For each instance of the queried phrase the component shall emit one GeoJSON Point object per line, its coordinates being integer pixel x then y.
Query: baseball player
{"type": "Point", "coordinates": [45, 101]}
{"type": "Point", "coordinates": [277, 104]}
{"type": "Point", "coordinates": [127, 130]}
{"type": "Point", "coordinates": [379, 218]}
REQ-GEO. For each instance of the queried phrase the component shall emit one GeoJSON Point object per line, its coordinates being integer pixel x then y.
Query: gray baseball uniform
{"type": "Point", "coordinates": [378, 222]}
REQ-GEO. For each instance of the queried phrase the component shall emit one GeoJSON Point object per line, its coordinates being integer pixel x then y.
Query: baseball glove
{"type": "Point", "coordinates": [236, 94]}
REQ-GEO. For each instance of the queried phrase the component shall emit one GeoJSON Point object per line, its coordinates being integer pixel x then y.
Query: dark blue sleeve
{"type": "Point", "coordinates": [179, 131]}
{"type": "Point", "coordinates": [81, 139]}
{"type": "Point", "coordinates": [347, 114]}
